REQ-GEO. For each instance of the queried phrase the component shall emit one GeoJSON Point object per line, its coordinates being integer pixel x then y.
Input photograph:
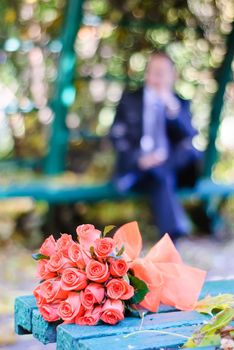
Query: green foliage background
{"type": "Point", "coordinates": [112, 47]}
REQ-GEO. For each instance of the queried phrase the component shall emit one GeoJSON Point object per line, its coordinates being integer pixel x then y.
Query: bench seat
{"type": "Point", "coordinates": [64, 193]}
{"type": "Point", "coordinates": [68, 337]}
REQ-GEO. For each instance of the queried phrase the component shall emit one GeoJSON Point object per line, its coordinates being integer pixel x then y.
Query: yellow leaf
{"type": "Point", "coordinates": [210, 305]}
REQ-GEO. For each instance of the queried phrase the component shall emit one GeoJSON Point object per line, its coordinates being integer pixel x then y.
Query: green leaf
{"type": "Point", "coordinates": [107, 229]}
{"type": "Point", "coordinates": [38, 256]}
{"type": "Point", "coordinates": [210, 305]}
{"type": "Point", "coordinates": [140, 288]}
{"type": "Point", "coordinates": [209, 334]}
{"type": "Point", "coordinates": [208, 340]}
{"type": "Point", "coordinates": [222, 319]}
{"type": "Point", "coordinates": [120, 252]}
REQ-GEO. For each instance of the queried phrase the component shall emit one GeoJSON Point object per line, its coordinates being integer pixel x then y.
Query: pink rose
{"type": "Point", "coordinates": [112, 311]}
{"type": "Point", "coordinates": [48, 247]}
{"type": "Point", "coordinates": [118, 268]}
{"type": "Point", "coordinates": [42, 271]}
{"type": "Point", "coordinates": [75, 254]}
{"type": "Point", "coordinates": [90, 318]}
{"type": "Point", "coordinates": [73, 279]}
{"type": "Point", "coordinates": [87, 234]}
{"type": "Point", "coordinates": [39, 298]}
{"type": "Point", "coordinates": [103, 247]}
{"type": "Point", "coordinates": [97, 271]}
{"type": "Point", "coordinates": [63, 243]}
{"type": "Point", "coordinates": [50, 312]}
{"type": "Point", "coordinates": [58, 263]}
{"type": "Point", "coordinates": [119, 289]}
{"type": "Point", "coordinates": [71, 308]}
{"type": "Point", "coordinates": [51, 290]}
{"type": "Point", "coordinates": [93, 293]}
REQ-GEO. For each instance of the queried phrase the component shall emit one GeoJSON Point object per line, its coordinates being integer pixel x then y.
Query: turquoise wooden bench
{"type": "Point", "coordinates": [68, 337]}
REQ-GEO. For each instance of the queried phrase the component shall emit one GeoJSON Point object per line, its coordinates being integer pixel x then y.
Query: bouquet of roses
{"type": "Point", "coordinates": [97, 277]}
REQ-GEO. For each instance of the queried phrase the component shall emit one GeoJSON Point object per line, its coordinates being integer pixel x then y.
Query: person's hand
{"type": "Point", "coordinates": [152, 160]}
{"type": "Point", "coordinates": [170, 101]}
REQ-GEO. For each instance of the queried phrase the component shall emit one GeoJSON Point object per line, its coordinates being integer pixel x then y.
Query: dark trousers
{"type": "Point", "coordinates": [160, 182]}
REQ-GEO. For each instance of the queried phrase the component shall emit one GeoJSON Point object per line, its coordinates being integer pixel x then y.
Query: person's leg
{"type": "Point", "coordinates": [168, 214]}
{"type": "Point", "coordinates": [183, 155]}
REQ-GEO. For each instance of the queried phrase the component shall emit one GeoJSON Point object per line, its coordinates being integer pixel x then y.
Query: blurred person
{"type": "Point", "coordinates": [152, 135]}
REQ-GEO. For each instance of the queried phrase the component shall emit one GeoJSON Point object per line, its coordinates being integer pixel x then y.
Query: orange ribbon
{"type": "Point", "coordinates": [169, 280]}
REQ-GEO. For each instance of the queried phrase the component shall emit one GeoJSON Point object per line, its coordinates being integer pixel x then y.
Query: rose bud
{"type": "Point", "coordinates": [112, 311]}
{"type": "Point", "coordinates": [48, 247]}
{"type": "Point", "coordinates": [119, 289]}
{"type": "Point", "coordinates": [73, 279]}
{"type": "Point", "coordinates": [71, 308]}
{"type": "Point", "coordinates": [63, 243]}
{"type": "Point", "coordinates": [50, 312]}
{"type": "Point", "coordinates": [90, 318]}
{"type": "Point", "coordinates": [97, 271]}
{"type": "Point", "coordinates": [39, 298]}
{"type": "Point", "coordinates": [42, 271]}
{"type": "Point", "coordinates": [58, 263]}
{"type": "Point", "coordinates": [93, 293]}
{"type": "Point", "coordinates": [87, 234]}
{"type": "Point", "coordinates": [51, 290]}
{"type": "Point", "coordinates": [118, 267]}
{"type": "Point", "coordinates": [103, 247]}
{"type": "Point", "coordinates": [75, 254]}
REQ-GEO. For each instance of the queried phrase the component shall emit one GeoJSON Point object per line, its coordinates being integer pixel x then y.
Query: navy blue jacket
{"type": "Point", "coordinates": [127, 129]}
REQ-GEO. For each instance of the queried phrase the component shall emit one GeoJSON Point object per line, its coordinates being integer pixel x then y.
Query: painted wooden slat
{"type": "Point", "coordinates": [23, 314]}
{"type": "Point", "coordinates": [69, 335]}
{"type": "Point", "coordinates": [143, 341]}
{"type": "Point", "coordinates": [137, 341]}
{"type": "Point", "coordinates": [217, 287]}
{"type": "Point", "coordinates": [42, 330]}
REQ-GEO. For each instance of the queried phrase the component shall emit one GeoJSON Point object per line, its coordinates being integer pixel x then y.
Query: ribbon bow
{"type": "Point", "coordinates": [169, 280]}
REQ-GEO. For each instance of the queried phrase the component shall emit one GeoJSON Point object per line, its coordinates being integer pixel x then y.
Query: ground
{"type": "Point", "coordinates": [18, 270]}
